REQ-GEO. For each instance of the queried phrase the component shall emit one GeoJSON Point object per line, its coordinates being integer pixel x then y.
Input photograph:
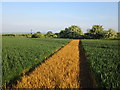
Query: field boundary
{"type": "Point", "coordinates": [18, 78]}
{"type": "Point", "coordinates": [59, 71]}
{"type": "Point", "coordinates": [87, 78]}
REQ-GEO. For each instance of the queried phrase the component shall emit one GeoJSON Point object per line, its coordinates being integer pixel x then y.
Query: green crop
{"type": "Point", "coordinates": [21, 54]}
{"type": "Point", "coordinates": [103, 58]}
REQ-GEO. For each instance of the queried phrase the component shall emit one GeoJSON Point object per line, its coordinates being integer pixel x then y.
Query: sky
{"type": "Point", "coordinates": [21, 17]}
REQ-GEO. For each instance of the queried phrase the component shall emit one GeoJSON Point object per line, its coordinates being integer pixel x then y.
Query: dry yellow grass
{"type": "Point", "coordinates": [59, 71]}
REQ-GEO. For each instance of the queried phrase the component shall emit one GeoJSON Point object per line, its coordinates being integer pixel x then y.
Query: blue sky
{"type": "Point", "coordinates": [55, 16]}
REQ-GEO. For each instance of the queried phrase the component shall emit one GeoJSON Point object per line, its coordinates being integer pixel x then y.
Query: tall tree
{"type": "Point", "coordinates": [96, 29]}
{"type": "Point", "coordinates": [71, 32]}
{"type": "Point", "coordinates": [96, 32]}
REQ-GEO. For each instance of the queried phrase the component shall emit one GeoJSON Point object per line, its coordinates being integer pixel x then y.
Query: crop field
{"type": "Point", "coordinates": [59, 71]}
{"type": "Point", "coordinates": [63, 68]}
{"type": "Point", "coordinates": [104, 60]}
{"type": "Point", "coordinates": [21, 54]}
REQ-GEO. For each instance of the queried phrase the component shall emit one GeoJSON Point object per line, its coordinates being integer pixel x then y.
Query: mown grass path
{"type": "Point", "coordinates": [60, 71]}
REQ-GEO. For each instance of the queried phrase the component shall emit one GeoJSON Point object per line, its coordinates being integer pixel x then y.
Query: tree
{"type": "Point", "coordinates": [96, 29]}
{"type": "Point", "coordinates": [71, 32]}
{"type": "Point", "coordinates": [57, 34]}
{"type": "Point", "coordinates": [39, 32]}
{"type": "Point", "coordinates": [111, 33]}
{"type": "Point", "coordinates": [118, 34]}
{"type": "Point", "coordinates": [50, 34]}
{"type": "Point", "coordinates": [96, 32]}
{"type": "Point", "coordinates": [37, 35]}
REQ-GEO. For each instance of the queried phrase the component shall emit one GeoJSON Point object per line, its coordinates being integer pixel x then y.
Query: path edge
{"type": "Point", "coordinates": [91, 82]}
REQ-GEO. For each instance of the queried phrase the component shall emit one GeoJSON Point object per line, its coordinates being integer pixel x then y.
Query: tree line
{"type": "Point", "coordinates": [96, 32]}
{"type": "Point", "coordinates": [75, 32]}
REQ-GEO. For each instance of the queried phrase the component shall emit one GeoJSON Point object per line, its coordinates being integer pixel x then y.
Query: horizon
{"type": "Point", "coordinates": [56, 16]}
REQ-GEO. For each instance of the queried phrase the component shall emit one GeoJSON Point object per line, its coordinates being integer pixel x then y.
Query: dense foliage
{"type": "Point", "coordinates": [97, 32]}
{"type": "Point", "coordinates": [103, 57]}
{"type": "Point", "coordinates": [8, 34]}
{"type": "Point", "coordinates": [118, 35]}
{"type": "Point", "coordinates": [74, 32]}
{"type": "Point", "coordinates": [36, 35]}
{"type": "Point", "coordinates": [71, 32]}
{"type": "Point", "coordinates": [50, 34]}
{"type": "Point", "coordinates": [21, 54]}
